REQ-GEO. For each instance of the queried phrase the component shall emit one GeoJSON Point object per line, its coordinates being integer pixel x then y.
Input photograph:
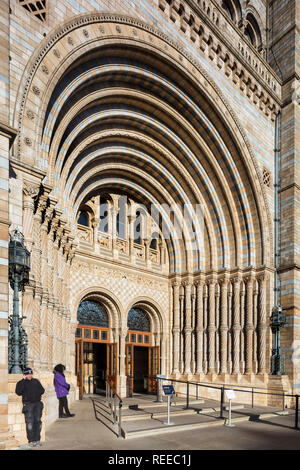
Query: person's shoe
{"type": "Point", "coordinates": [32, 444]}
{"type": "Point", "coordinates": [25, 447]}
{"type": "Point", "coordinates": [70, 415]}
{"type": "Point", "coordinates": [38, 444]}
{"type": "Point", "coordinates": [63, 416]}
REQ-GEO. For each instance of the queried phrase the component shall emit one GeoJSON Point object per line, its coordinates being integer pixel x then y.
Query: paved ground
{"type": "Point", "coordinates": [86, 431]}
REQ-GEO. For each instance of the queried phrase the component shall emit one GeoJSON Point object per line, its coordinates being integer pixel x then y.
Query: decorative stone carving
{"type": "Point", "coordinates": [28, 141]}
{"type": "Point", "coordinates": [36, 90]}
{"type": "Point", "coordinates": [30, 114]}
{"type": "Point", "coordinates": [56, 53]}
{"type": "Point", "coordinates": [45, 70]}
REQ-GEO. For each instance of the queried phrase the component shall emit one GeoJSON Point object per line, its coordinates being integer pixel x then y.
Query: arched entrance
{"type": "Point", "coordinates": [96, 357]}
{"type": "Point", "coordinates": [142, 358]}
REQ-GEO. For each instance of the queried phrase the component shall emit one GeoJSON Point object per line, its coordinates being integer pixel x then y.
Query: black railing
{"type": "Point", "coordinates": [111, 400]}
{"type": "Point", "coordinates": [223, 388]}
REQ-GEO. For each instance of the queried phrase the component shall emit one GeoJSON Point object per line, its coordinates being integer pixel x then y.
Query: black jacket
{"type": "Point", "coordinates": [31, 390]}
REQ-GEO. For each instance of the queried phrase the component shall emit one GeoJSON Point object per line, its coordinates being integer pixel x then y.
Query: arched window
{"type": "Point", "coordinates": [92, 313]}
{"type": "Point", "coordinates": [121, 217]}
{"type": "Point", "coordinates": [104, 208]}
{"type": "Point", "coordinates": [233, 9]}
{"type": "Point", "coordinates": [154, 239]}
{"type": "Point", "coordinates": [84, 219]}
{"type": "Point", "coordinates": [252, 31]}
{"type": "Point", "coordinates": [138, 320]}
{"type": "Point", "coordinates": [138, 235]}
{"type": "Point", "coordinates": [228, 7]}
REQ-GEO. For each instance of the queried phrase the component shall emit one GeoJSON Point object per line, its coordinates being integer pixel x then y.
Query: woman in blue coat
{"type": "Point", "coordinates": [62, 390]}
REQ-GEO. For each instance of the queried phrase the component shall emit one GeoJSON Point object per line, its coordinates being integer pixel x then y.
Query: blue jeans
{"type": "Point", "coordinates": [33, 414]}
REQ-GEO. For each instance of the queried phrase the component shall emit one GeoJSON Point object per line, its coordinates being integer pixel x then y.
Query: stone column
{"type": "Point", "coordinates": [224, 326]}
{"type": "Point", "coordinates": [187, 328]}
{"type": "Point", "coordinates": [211, 327]}
{"type": "Point", "coordinates": [217, 328]}
{"type": "Point", "coordinates": [262, 326]}
{"type": "Point", "coordinates": [95, 225]}
{"type": "Point", "coordinates": [193, 326]}
{"type": "Point", "coordinates": [249, 326]}
{"type": "Point", "coordinates": [181, 303]}
{"type": "Point", "coordinates": [242, 327]}
{"type": "Point", "coordinates": [122, 356]}
{"type": "Point", "coordinates": [176, 327]}
{"type": "Point", "coordinates": [255, 325]}
{"type": "Point", "coordinates": [205, 326]}
{"type": "Point", "coordinates": [147, 252]}
{"type": "Point", "coordinates": [131, 219]}
{"type": "Point", "coordinates": [236, 326]}
{"type": "Point", "coordinates": [199, 326]}
{"type": "Point", "coordinates": [230, 326]}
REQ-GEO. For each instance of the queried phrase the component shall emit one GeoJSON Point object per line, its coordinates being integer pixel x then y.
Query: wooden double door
{"type": "Point", "coordinates": [142, 366]}
{"type": "Point", "coordinates": [96, 360]}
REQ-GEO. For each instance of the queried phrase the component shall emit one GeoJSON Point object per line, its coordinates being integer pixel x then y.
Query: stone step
{"type": "Point", "coordinates": [159, 404]}
{"type": "Point", "coordinates": [174, 412]}
{"type": "Point", "coordinates": [157, 414]}
{"type": "Point", "coordinates": [190, 426]}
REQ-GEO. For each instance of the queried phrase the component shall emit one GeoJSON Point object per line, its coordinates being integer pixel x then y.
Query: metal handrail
{"type": "Point", "coordinates": [223, 388]}
{"type": "Point", "coordinates": [111, 401]}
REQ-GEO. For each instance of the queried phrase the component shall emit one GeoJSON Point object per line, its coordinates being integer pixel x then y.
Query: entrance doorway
{"type": "Point", "coordinates": [140, 377]}
{"type": "Point", "coordinates": [96, 360]}
{"type": "Point", "coordinates": [94, 367]}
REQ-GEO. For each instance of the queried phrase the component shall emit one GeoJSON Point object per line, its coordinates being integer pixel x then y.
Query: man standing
{"type": "Point", "coordinates": [31, 391]}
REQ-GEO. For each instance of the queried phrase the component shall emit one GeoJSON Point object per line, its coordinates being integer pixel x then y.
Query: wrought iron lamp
{"type": "Point", "coordinates": [19, 267]}
{"type": "Point", "coordinates": [278, 320]}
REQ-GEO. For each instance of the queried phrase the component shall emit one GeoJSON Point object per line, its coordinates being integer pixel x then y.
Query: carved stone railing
{"type": "Point", "coordinates": [216, 36]}
{"type": "Point", "coordinates": [85, 234]}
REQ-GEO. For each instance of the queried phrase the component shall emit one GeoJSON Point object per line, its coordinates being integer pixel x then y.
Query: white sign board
{"type": "Point", "coordinates": [230, 394]}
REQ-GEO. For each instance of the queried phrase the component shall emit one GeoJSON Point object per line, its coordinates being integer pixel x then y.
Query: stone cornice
{"type": "Point", "coordinates": [9, 132]}
{"type": "Point", "coordinates": [25, 168]}
{"type": "Point", "coordinates": [250, 59]}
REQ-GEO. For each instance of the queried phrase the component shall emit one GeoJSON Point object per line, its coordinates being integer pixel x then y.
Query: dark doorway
{"type": "Point", "coordinates": [140, 369]}
{"type": "Point", "coordinates": [99, 367]}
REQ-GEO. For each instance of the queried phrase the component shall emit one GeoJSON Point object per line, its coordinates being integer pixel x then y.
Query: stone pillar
{"type": "Point", "coordinates": [122, 356]}
{"type": "Point", "coordinates": [131, 219]}
{"type": "Point", "coordinates": [255, 325]}
{"type": "Point", "coordinates": [181, 303]}
{"type": "Point", "coordinates": [249, 326]}
{"type": "Point", "coordinates": [230, 329]}
{"type": "Point", "coordinates": [205, 326]}
{"type": "Point", "coordinates": [236, 326]}
{"type": "Point", "coordinates": [187, 328]}
{"type": "Point", "coordinates": [199, 326]}
{"type": "Point", "coordinates": [176, 327]}
{"type": "Point", "coordinates": [224, 326]}
{"type": "Point", "coordinates": [262, 326]}
{"type": "Point", "coordinates": [193, 326]}
{"type": "Point", "coordinates": [242, 327]}
{"type": "Point", "coordinates": [95, 225]}
{"type": "Point", "coordinates": [217, 328]}
{"type": "Point", "coordinates": [211, 327]}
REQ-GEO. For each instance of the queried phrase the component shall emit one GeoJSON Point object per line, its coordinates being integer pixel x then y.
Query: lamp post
{"type": "Point", "coordinates": [19, 267]}
{"type": "Point", "coordinates": [278, 320]}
